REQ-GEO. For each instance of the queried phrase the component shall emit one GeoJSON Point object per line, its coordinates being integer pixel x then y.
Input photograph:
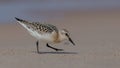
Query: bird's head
{"type": "Point", "coordinates": [65, 35]}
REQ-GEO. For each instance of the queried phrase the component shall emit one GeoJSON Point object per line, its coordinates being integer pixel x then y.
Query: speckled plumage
{"type": "Point", "coordinates": [39, 26]}
{"type": "Point", "coordinates": [47, 28]}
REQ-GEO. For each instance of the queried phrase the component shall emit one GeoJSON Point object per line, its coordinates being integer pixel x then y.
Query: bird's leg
{"type": "Point", "coordinates": [37, 45]}
{"type": "Point", "coordinates": [53, 47]}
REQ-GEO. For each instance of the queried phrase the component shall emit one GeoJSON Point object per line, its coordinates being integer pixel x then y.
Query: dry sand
{"type": "Point", "coordinates": [96, 34]}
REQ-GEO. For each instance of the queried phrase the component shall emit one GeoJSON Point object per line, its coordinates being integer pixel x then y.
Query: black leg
{"type": "Point", "coordinates": [53, 47]}
{"type": "Point", "coordinates": [37, 45]}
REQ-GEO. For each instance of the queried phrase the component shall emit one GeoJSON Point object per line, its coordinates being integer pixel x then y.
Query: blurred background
{"type": "Point", "coordinates": [94, 26]}
{"type": "Point", "coordinates": [38, 10]}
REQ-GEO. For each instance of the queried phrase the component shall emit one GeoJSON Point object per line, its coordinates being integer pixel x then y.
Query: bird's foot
{"type": "Point", "coordinates": [59, 49]}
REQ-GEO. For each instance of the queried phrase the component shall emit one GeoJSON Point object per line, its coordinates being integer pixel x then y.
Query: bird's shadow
{"type": "Point", "coordinates": [55, 52]}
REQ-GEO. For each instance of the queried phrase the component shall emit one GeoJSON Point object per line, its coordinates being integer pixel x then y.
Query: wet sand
{"type": "Point", "coordinates": [96, 34]}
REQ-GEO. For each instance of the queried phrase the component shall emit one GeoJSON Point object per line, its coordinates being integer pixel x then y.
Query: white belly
{"type": "Point", "coordinates": [43, 37]}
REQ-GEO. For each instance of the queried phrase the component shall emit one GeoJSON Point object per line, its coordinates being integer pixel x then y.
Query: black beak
{"type": "Point", "coordinates": [71, 41]}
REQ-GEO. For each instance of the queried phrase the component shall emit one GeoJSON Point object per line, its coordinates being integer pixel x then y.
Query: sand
{"type": "Point", "coordinates": [96, 34]}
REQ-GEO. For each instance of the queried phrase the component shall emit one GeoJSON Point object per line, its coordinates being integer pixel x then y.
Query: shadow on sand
{"type": "Point", "coordinates": [56, 52]}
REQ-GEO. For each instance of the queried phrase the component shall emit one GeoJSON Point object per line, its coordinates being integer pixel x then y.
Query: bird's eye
{"type": "Point", "coordinates": [66, 34]}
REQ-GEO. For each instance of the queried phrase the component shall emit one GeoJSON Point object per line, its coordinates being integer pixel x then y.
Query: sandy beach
{"type": "Point", "coordinates": [96, 34]}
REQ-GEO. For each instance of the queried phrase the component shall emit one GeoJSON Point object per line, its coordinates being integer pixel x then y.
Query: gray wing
{"type": "Point", "coordinates": [44, 28]}
{"type": "Point", "coordinates": [36, 26]}
{"type": "Point", "coordinates": [52, 27]}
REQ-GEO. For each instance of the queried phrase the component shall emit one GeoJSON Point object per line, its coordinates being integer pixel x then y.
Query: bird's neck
{"type": "Point", "coordinates": [59, 37]}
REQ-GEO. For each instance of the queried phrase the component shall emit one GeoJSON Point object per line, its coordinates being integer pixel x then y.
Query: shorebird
{"type": "Point", "coordinates": [45, 32]}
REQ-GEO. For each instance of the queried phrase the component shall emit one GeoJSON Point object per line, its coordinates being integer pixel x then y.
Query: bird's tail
{"type": "Point", "coordinates": [18, 19]}
{"type": "Point", "coordinates": [21, 20]}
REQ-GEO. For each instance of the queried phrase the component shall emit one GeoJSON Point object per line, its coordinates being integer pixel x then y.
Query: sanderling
{"type": "Point", "coordinates": [45, 32]}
